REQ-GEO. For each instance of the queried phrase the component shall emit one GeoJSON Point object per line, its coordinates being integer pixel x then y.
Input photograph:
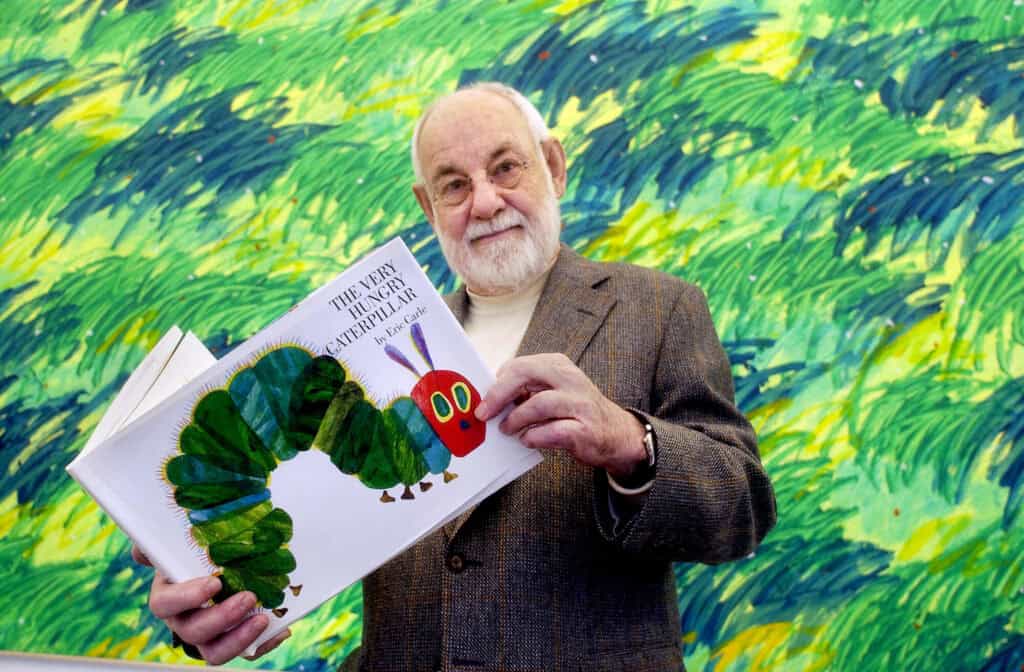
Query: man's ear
{"type": "Point", "coordinates": [424, 200]}
{"type": "Point", "coordinates": [554, 156]}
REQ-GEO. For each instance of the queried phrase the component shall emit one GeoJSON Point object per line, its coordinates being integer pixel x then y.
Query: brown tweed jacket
{"type": "Point", "coordinates": [539, 576]}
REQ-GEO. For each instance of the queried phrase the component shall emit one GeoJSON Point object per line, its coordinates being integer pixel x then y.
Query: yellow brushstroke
{"type": "Point", "coordinates": [75, 528]}
{"type": "Point", "coordinates": [244, 15]}
{"type": "Point", "coordinates": [10, 512]}
{"type": "Point", "coordinates": [98, 650]}
{"type": "Point", "coordinates": [99, 115]}
{"type": "Point", "coordinates": [922, 345]}
{"type": "Point", "coordinates": [336, 631]}
{"type": "Point", "coordinates": [574, 122]}
{"type": "Point", "coordinates": [134, 332]}
{"type": "Point", "coordinates": [775, 53]}
{"type": "Point", "coordinates": [570, 6]}
{"type": "Point", "coordinates": [130, 648]}
{"type": "Point", "coordinates": [930, 539]}
{"type": "Point", "coordinates": [763, 647]}
{"type": "Point", "coordinates": [369, 23]}
{"type": "Point", "coordinates": [966, 136]}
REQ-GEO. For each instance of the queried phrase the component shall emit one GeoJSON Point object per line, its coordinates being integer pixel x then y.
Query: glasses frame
{"type": "Point", "coordinates": [439, 199]}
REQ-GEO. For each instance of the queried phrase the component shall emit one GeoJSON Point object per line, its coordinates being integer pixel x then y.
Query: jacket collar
{"type": "Point", "coordinates": [571, 308]}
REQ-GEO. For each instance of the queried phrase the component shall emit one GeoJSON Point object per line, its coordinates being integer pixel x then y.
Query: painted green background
{"type": "Point", "coordinates": [845, 179]}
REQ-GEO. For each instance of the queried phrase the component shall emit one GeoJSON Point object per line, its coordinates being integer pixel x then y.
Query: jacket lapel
{"type": "Point", "coordinates": [571, 308]}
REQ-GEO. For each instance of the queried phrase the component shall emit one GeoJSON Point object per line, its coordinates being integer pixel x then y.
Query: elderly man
{"type": "Point", "coordinates": [615, 372]}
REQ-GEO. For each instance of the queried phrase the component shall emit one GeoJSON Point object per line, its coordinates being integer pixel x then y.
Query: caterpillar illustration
{"type": "Point", "coordinates": [289, 401]}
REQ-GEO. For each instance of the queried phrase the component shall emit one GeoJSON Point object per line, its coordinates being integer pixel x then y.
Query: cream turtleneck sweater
{"type": "Point", "coordinates": [496, 324]}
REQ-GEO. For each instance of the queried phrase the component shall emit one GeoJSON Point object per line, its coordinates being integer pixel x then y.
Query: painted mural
{"type": "Point", "coordinates": [844, 178]}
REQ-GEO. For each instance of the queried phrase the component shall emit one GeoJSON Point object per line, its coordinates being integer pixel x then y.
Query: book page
{"type": "Point", "coordinates": [316, 450]}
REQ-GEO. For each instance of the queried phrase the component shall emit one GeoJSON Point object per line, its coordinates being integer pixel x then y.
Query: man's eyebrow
{"type": "Point", "coordinates": [447, 169]}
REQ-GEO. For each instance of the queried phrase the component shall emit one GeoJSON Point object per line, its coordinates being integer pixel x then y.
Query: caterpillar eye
{"type": "Point", "coordinates": [460, 393]}
{"type": "Point", "coordinates": [442, 408]}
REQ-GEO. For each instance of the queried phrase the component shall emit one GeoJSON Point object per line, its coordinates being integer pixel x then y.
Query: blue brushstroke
{"type": "Point", "coordinates": [223, 149]}
{"type": "Point", "coordinates": [176, 51]}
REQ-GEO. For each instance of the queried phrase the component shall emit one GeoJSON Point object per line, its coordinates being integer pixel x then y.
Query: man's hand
{"type": "Point", "coordinates": [212, 629]}
{"type": "Point", "coordinates": [558, 407]}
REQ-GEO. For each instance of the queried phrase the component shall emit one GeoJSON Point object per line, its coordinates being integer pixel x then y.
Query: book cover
{"type": "Point", "coordinates": [315, 451]}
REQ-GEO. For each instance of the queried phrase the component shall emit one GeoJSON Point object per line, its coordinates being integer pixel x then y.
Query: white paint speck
{"type": "Point", "coordinates": [162, 62]}
{"type": "Point", "coordinates": [671, 204]}
{"type": "Point", "coordinates": [103, 12]}
{"type": "Point", "coordinates": [752, 277]}
{"type": "Point", "coordinates": [752, 555]}
{"type": "Point", "coordinates": [849, 333]}
{"type": "Point", "coordinates": [858, 83]}
{"type": "Point", "coordinates": [359, 181]}
{"type": "Point", "coordinates": [889, 322]}
{"type": "Point", "coordinates": [987, 180]}
{"type": "Point", "coordinates": [199, 158]}
{"type": "Point", "coordinates": [38, 331]}
{"type": "Point", "coordinates": [593, 58]}
{"type": "Point", "coordinates": [88, 332]}
{"type": "Point", "coordinates": [1006, 17]}
{"type": "Point", "coordinates": [749, 245]}
{"type": "Point", "coordinates": [795, 117]}
{"type": "Point", "coordinates": [962, 301]}
{"type": "Point", "coordinates": [920, 31]}
{"type": "Point", "coordinates": [903, 466]}
{"type": "Point", "coordinates": [675, 115]}
{"type": "Point", "coordinates": [945, 244]}
{"type": "Point", "coordinates": [191, 276]}
{"type": "Point", "coordinates": [259, 40]}
{"type": "Point", "coordinates": [927, 180]}
{"type": "Point", "coordinates": [703, 38]}
{"type": "Point", "coordinates": [1018, 3]}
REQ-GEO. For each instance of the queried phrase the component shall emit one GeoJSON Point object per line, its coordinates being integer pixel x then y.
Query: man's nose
{"type": "Point", "coordinates": [487, 202]}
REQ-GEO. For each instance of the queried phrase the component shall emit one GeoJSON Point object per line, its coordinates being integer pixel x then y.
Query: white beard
{"type": "Point", "coordinates": [506, 265]}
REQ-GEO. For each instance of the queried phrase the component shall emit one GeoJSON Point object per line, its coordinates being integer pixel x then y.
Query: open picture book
{"type": "Point", "coordinates": [311, 454]}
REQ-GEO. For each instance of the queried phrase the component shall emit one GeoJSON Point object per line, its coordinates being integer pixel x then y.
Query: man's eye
{"type": "Point", "coordinates": [507, 166]}
{"type": "Point", "coordinates": [454, 186]}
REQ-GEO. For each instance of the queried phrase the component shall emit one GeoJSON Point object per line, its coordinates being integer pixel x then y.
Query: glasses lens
{"type": "Point", "coordinates": [507, 174]}
{"type": "Point", "coordinates": [455, 192]}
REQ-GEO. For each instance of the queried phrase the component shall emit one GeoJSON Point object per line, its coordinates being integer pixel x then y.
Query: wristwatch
{"type": "Point", "coordinates": [642, 479]}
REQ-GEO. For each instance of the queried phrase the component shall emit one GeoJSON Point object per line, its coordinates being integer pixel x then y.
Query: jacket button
{"type": "Point", "coordinates": [456, 563]}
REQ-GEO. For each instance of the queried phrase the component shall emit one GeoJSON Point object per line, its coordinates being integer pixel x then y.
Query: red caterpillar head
{"type": "Point", "coordinates": [446, 398]}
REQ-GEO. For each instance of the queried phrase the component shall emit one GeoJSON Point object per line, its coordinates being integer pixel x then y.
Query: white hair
{"type": "Point", "coordinates": [534, 120]}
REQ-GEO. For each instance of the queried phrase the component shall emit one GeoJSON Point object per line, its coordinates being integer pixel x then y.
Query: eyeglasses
{"type": "Point", "coordinates": [455, 189]}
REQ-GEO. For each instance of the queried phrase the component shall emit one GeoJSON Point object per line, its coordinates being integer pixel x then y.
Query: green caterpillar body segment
{"type": "Point", "coordinates": [285, 403]}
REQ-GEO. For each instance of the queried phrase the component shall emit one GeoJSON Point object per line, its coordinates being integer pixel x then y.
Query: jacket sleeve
{"type": "Point", "coordinates": [711, 500]}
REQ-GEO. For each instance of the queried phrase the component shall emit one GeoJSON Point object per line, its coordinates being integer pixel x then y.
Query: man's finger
{"type": "Point", "coordinates": [204, 625]}
{"type": "Point", "coordinates": [522, 375]}
{"type": "Point", "coordinates": [269, 645]}
{"type": "Point", "coordinates": [559, 434]}
{"type": "Point", "coordinates": [234, 643]}
{"type": "Point", "coordinates": [167, 599]}
{"type": "Point", "coordinates": [541, 407]}
{"type": "Point", "coordinates": [140, 557]}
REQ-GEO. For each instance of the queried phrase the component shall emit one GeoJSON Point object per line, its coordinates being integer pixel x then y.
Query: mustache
{"type": "Point", "coordinates": [504, 220]}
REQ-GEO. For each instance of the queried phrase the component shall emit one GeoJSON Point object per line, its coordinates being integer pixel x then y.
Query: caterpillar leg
{"type": "Point", "coordinates": [449, 476]}
{"type": "Point", "coordinates": [386, 497]}
{"type": "Point", "coordinates": [280, 612]}
{"type": "Point", "coordinates": [408, 494]}
{"type": "Point", "coordinates": [296, 589]}
{"type": "Point", "coordinates": [424, 486]}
